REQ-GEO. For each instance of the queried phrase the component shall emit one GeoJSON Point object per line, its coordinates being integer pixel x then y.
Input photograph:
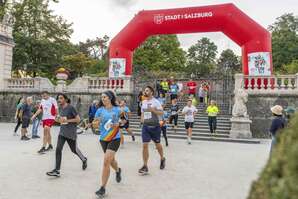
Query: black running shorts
{"type": "Point", "coordinates": [110, 145]}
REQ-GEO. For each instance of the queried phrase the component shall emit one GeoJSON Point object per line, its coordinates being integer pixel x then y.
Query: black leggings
{"type": "Point", "coordinates": [164, 133]}
{"type": "Point", "coordinates": [72, 145]}
{"type": "Point", "coordinates": [175, 118]}
{"type": "Point", "coordinates": [212, 124]}
{"type": "Point", "coordinates": [19, 122]}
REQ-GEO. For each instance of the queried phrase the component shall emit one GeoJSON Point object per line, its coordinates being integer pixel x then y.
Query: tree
{"type": "Point", "coordinates": [42, 38]}
{"type": "Point", "coordinates": [279, 179]}
{"type": "Point", "coordinates": [78, 63]}
{"type": "Point", "coordinates": [161, 53]}
{"type": "Point", "coordinates": [95, 48]}
{"type": "Point", "coordinates": [229, 60]}
{"type": "Point", "coordinates": [201, 57]}
{"type": "Point", "coordinates": [292, 68]}
{"type": "Point", "coordinates": [284, 40]}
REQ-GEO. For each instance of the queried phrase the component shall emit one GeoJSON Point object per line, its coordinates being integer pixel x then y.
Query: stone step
{"type": "Point", "coordinates": [180, 119]}
{"type": "Point", "coordinates": [181, 123]}
{"type": "Point", "coordinates": [214, 139]}
{"type": "Point", "coordinates": [181, 126]}
{"type": "Point", "coordinates": [182, 130]}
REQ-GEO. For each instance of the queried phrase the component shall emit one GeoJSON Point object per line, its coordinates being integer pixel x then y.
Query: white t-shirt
{"type": "Point", "coordinates": [151, 118]}
{"type": "Point", "coordinates": [49, 108]}
{"type": "Point", "coordinates": [189, 113]}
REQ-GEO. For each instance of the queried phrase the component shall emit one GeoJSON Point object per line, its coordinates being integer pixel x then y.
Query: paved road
{"type": "Point", "coordinates": [204, 170]}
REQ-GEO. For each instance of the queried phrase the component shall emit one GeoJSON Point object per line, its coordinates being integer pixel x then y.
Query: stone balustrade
{"type": "Point", "coordinates": [79, 85]}
{"type": "Point", "coordinates": [271, 85]}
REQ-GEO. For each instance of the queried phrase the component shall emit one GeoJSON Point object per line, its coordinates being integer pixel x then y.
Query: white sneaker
{"type": "Point", "coordinates": [189, 140]}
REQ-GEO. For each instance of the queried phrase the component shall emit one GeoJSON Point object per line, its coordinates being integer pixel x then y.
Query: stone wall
{"type": "Point", "coordinates": [259, 111]}
{"type": "Point", "coordinates": [81, 101]}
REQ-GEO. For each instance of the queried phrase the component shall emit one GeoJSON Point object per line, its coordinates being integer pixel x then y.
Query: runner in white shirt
{"type": "Point", "coordinates": [189, 112]}
{"type": "Point", "coordinates": [49, 110]}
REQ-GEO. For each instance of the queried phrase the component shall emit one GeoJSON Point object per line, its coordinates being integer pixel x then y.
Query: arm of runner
{"type": "Point", "coordinates": [37, 113]}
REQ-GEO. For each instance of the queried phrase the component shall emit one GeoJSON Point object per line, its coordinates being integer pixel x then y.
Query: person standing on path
{"type": "Point", "coordinates": [189, 112]}
{"type": "Point", "coordinates": [49, 109]}
{"type": "Point", "coordinates": [151, 111]}
{"type": "Point", "coordinates": [278, 123]}
{"type": "Point", "coordinates": [124, 121]}
{"type": "Point", "coordinates": [165, 86]}
{"type": "Point", "coordinates": [36, 121]}
{"type": "Point", "coordinates": [212, 111]}
{"type": "Point", "coordinates": [192, 86]}
{"type": "Point", "coordinates": [26, 110]}
{"type": "Point", "coordinates": [107, 119]}
{"type": "Point", "coordinates": [68, 119]}
{"type": "Point", "coordinates": [17, 116]}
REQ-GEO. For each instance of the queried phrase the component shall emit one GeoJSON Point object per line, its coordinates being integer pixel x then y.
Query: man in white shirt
{"type": "Point", "coordinates": [49, 109]}
{"type": "Point", "coordinates": [189, 112]}
{"type": "Point", "coordinates": [151, 111]}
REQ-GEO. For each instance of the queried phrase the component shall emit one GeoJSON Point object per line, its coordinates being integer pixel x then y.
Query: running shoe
{"type": "Point", "coordinates": [118, 175]}
{"type": "Point", "coordinates": [54, 173]}
{"type": "Point", "coordinates": [50, 147]}
{"type": "Point", "coordinates": [25, 138]}
{"type": "Point", "coordinates": [144, 170]}
{"type": "Point", "coordinates": [42, 150]}
{"type": "Point", "coordinates": [101, 192]}
{"type": "Point", "coordinates": [84, 166]}
{"type": "Point", "coordinates": [162, 163]}
{"type": "Point", "coordinates": [133, 138]}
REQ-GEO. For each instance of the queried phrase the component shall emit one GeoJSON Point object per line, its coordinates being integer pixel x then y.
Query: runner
{"type": "Point", "coordinates": [25, 115]}
{"type": "Point", "coordinates": [151, 110]}
{"type": "Point", "coordinates": [174, 113]}
{"type": "Point", "coordinates": [174, 89]}
{"type": "Point", "coordinates": [163, 124]}
{"type": "Point", "coordinates": [124, 121]}
{"type": "Point", "coordinates": [107, 117]}
{"type": "Point", "coordinates": [36, 121]}
{"type": "Point", "coordinates": [192, 86]}
{"type": "Point", "coordinates": [49, 109]}
{"type": "Point", "coordinates": [165, 86]}
{"type": "Point", "coordinates": [17, 117]}
{"type": "Point", "coordinates": [68, 119]}
{"type": "Point", "coordinates": [212, 111]}
{"type": "Point", "coordinates": [189, 111]}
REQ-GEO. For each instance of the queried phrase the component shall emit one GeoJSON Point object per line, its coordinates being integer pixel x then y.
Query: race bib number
{"type": "Point", "coordinates": [108, 125]}
{"type": "Point", "coordinates": [147, 115]}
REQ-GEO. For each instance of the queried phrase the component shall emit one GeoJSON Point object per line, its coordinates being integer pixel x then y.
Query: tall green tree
{"type": "Point", "coordinates": [42, 38]}
{"type": "Point", "coordinates": [201, 57]}
{"type": "Point", "coordinates": [229, 60]}
{"type": "Point", "coordinates": [284, 40]}
{"type": "Point", "coordinates": [161, 53]}
{"type": "Point", "coordinates": [95, 48]}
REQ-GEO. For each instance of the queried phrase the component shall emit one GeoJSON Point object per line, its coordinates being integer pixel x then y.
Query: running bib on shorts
{"type": "Point", "coordinates": [147, 115]}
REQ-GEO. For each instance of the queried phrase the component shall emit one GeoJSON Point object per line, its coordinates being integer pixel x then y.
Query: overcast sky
{"type": "Point", "coordinates": [95, 18]}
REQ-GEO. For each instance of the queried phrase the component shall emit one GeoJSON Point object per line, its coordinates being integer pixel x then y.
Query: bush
{"type": "Point", "coordinates": [279, 179]}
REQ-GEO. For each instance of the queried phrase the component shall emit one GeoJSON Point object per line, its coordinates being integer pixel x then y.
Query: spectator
{"type": "Point", "coordinates": [158, 88]}
{"type": "Point", "coordinates": [277, 124]}
{"type": "Point", "coordinates": [201, 94]}
{"type": "Point", "coordinates": [212, 111]}
{"type": "Point", "coordinates": [36, 121]}
{"type": "Point", "coordinates": [92, 110]}
{"type": "Point", "coordinates": [18, 118]}
{"type": "Point", "coordinates": [26, 111]}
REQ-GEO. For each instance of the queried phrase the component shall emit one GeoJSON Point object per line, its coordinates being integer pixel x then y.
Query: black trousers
{"type": "Point", "coordinates": [212, 123]}
{"type": "Point", "coordinates": [175, 118]}
{"type": "Point", "coordinates": [72, 145]}
{"type": "Point", "coordinates": [164, 133]}
{"type": "Point", "coordinates": [19, 122]}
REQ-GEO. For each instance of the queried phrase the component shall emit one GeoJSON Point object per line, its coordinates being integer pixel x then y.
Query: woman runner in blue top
{"type": "Point", "coordinates": [107, 119]}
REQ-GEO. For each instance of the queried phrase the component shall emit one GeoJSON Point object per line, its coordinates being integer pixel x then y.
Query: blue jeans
{"type": "Point", "coordinates": [35, 125]}
{"type": "Point", "coordinates": [273, 143]}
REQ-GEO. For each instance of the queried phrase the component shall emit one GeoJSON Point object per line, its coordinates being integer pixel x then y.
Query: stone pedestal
{"type": "Point", "coordinates": [61, 86]}
{"type": "Point", "coordinates": [6, 47]}
{"type": "Point", "coordinates": [240, 127]}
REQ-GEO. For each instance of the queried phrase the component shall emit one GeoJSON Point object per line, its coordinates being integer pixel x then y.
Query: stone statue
{"type": "Point", "coordinates": [239, 108]}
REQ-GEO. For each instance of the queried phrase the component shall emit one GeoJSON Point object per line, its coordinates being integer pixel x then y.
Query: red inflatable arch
{"type": "Point", "coordinates": [254, 40]}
